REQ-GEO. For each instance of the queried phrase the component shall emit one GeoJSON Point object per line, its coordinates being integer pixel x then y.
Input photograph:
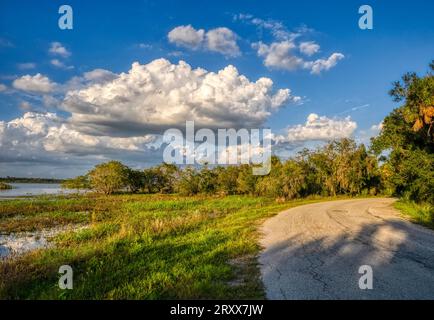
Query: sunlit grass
{"type": "Point", "coordinates": [418, 213]}
{"type": "Point", "coordinates": [141, 247]}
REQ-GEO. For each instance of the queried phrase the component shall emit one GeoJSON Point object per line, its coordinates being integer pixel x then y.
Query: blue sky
{"type": "Point", "coordinates": [112, 35]}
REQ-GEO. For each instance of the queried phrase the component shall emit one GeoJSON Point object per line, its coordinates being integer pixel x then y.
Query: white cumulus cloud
{"type": "Point", "coordinates": [309, 48]}
{"type": "Point", "coordinates": [161, 95]}
{"type": "Point", "coordinates": [42, 135]}
{"type": "Point", "coordinates": [186, 36]}
{"type": "Point", "coordinates": [37, 83]}
{"type": "Point", "coordinates": [56, 48]}
{"type": "Point", "coordinates": [221, 40]}
{"type": "Point", "coordinates": [281, 55]}
{"type": "Point", "coordinates": [320, 65]}
{"type": "Point", "coordinates": [321, 128]}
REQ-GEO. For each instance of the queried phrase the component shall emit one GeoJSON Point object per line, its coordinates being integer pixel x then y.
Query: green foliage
{"type": "Point", "coordinates": [160, 179]}
{"type": "Point", "coordinates": [207, 181]}
{"type": "Point", "coordinates": [227, 179]}
{"type": "Point", "coordinates": [286, 180]}
{"type": "Point", "coordinates": [410, 174]}
{"type": "Point", "coordinates": [188, 182]}
{"type": "Point", "coordinates": [192, 181]}
{"type": "Point", "coordinates": [77, 183]}
{"type": "Point", "coordinates": [108, 177]}
{"type": "Point", "coordinates": [408, 138]}
{"type": "Point", "coordinates": [246, 181]}
{"type": "Point", "coordinates": [340, 167]}
{"type": "Point", "coordinates": [136, 180]}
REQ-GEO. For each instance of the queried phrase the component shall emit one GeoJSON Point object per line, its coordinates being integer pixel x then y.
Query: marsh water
{"type": "Point", "coordinates": [14, 244]}
{"type": "Point", "coordinates": [32, 189]}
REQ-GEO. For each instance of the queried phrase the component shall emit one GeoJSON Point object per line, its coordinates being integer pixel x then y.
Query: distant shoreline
{"type": "Point", "coordinates": [29, 180]}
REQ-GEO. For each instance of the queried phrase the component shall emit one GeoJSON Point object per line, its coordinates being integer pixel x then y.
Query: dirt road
{"type": "Point", "coordinates": [315, 251]}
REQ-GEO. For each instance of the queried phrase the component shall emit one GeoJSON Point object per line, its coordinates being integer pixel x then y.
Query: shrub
{"type": "Point", "coordinates": [109, 177]}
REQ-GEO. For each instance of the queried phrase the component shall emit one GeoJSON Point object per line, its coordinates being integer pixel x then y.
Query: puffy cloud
{"type": "Point", "coordinates": [116, 116]}
{"type": "Point", "coordinates": [23, 137]}
{"type": "Point", "coordinates": [2, 87]}
{"type": "Point", "coordinates": [45, 145]}
{"type": "Point", "coordinates": [320, 65]}
{"type": "Point", "coordinates": [280, 55]}
{"type": "Point", "coordinates": [37, 83]}
{"type": "Point", "coordinates": [57, 48]}
{"type": "Point", "coordinates": [153, 97]}
{"type": "Point", "coordinates": [321, 128]}
{"type": "Point", "coordinates": [88, 78]}
{"type": "Point", "coordinates": [221, 40]}
{"type": "Point", "coordinates": [26, 66]}
{"type": "Point", "coordinates": [45, 135]}
{"type": "Point", "coordinates": [59, 64]}
{"type": "Point", "coordinates": [309, 48]}
{"type": "Point", "coordinates": [186, 36]}
{"type": "Point", "coordinates": [65, 139]}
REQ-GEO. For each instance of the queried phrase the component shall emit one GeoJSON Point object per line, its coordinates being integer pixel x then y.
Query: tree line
{"type": "Point", "coordinates": [9, 179]}
{"type": "Point", "coordinates": [400, 162]}
{"type": "Point", "coordinates": [340, 167]}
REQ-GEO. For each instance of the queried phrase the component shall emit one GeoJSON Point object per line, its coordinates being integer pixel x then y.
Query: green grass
{"type": "Point", "coordinates": [419, 213]}
{"type": "Point", "coordinates": [141, 247]}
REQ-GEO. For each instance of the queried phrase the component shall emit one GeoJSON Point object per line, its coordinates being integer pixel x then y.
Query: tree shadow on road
{"type": "Point", "coordinates": [401, 256]}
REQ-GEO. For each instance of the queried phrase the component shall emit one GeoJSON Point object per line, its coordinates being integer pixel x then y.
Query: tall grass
{"type": "Point", "coordinates": [419, 213]}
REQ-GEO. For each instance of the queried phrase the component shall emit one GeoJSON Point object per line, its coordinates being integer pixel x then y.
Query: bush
{"type": "Point", "coordinates": [188, 182]}
{"type": "Point", "coordinates": [109, 177]}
